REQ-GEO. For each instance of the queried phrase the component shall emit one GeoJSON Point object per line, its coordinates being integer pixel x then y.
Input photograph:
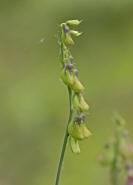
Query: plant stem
{"type": "Point", "coordinates": [65, 138]}
{"type": "Point", "coordinates": [115, 166]}
{"type": "Point", "coordinates": [69, 120]}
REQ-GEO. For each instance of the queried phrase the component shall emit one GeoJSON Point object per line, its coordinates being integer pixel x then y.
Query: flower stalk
{"type": "Point", "coordinates": [65, 139]}
{"type": "Point", "coordinates": [76, 127]}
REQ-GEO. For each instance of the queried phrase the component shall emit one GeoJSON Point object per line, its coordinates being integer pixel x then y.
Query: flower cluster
{"type": "Point", "coordinates": [77, 129]}
{"type": "Point", "coordinates": [118, 153]}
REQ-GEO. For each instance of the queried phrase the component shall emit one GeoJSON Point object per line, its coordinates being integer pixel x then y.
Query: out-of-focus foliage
{"type": "Point", "coordinates": [34, 107]}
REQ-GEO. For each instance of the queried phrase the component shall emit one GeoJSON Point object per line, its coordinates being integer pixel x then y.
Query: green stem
{"type": "Point", "coordinates": [65, 138]}
{"type": "Point", "coordinates": [115, 166]}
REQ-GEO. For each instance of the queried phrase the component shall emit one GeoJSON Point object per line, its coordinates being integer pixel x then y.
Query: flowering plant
{"type": "Point", "coordinates": [76, 129]}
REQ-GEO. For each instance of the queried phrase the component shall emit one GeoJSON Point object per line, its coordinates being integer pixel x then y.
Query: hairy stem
{"type": "Point", "coordinates": [65, 139]}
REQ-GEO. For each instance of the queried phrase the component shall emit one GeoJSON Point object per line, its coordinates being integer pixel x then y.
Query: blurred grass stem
{"type": "Point", "coordinates": [115, 165]}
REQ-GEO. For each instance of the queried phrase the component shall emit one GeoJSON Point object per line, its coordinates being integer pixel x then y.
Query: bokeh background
{"type": "Point", "coordinates": [33, 100]}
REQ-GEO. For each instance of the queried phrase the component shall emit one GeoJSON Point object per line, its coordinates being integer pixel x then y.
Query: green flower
{"type": "Point", "coordinates": [74, 145]}
{"type": "Point", "coordinates": [77, 131]}
{"type": "Point", "coordinates": [73, 22]}
{"type": "Point", "coordinates": [68, 40]}
{"type": "Point", "coordinates": [77, 86]}
{"type": "Point", "coordinates": [67, 77]}
{"type": "Point", "coordinates": [79, 103]}
{"type": "Point", "coordinates": [75, 33]}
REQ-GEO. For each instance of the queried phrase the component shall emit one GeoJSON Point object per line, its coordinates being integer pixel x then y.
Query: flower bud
{"type": "Point", "coordinates": [77, 86]}
{"type": "Point", "coordinates": [69, 41]}
{"type": "Point", "coordinates": [73, 22]}
{"type": "Point", "coordinates": [75, 131]}
{"type": "Point", "coordinates": [62, 25]}
{"type": "Point", "coordinates": [86, 132]}
{"type": "Point", "coordinates": [79, 103]}
{"type": "Point", "coordinates": [67, 77]}
{"type": "Point", "coordinates": [76, 102]}
{"type": "Point", "coordinates": [83, 105]}
{"type": "Point", "coordinates": [74, 145]}
{"type": "Point", "coordinates": [75, 33]}
{"type": "Point", "coordinates": [78, 131]}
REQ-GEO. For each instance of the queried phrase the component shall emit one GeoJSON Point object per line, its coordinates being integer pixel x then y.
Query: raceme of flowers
{"type": "Point", "coordinates": [77, 128]}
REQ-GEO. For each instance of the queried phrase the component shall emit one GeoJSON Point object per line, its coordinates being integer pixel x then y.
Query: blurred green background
{"type": "Point", "coordinates": [34, 102]}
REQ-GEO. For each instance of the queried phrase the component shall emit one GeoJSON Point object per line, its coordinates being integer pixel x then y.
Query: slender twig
{"type": "Point", "coordinates": [65, 139]}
